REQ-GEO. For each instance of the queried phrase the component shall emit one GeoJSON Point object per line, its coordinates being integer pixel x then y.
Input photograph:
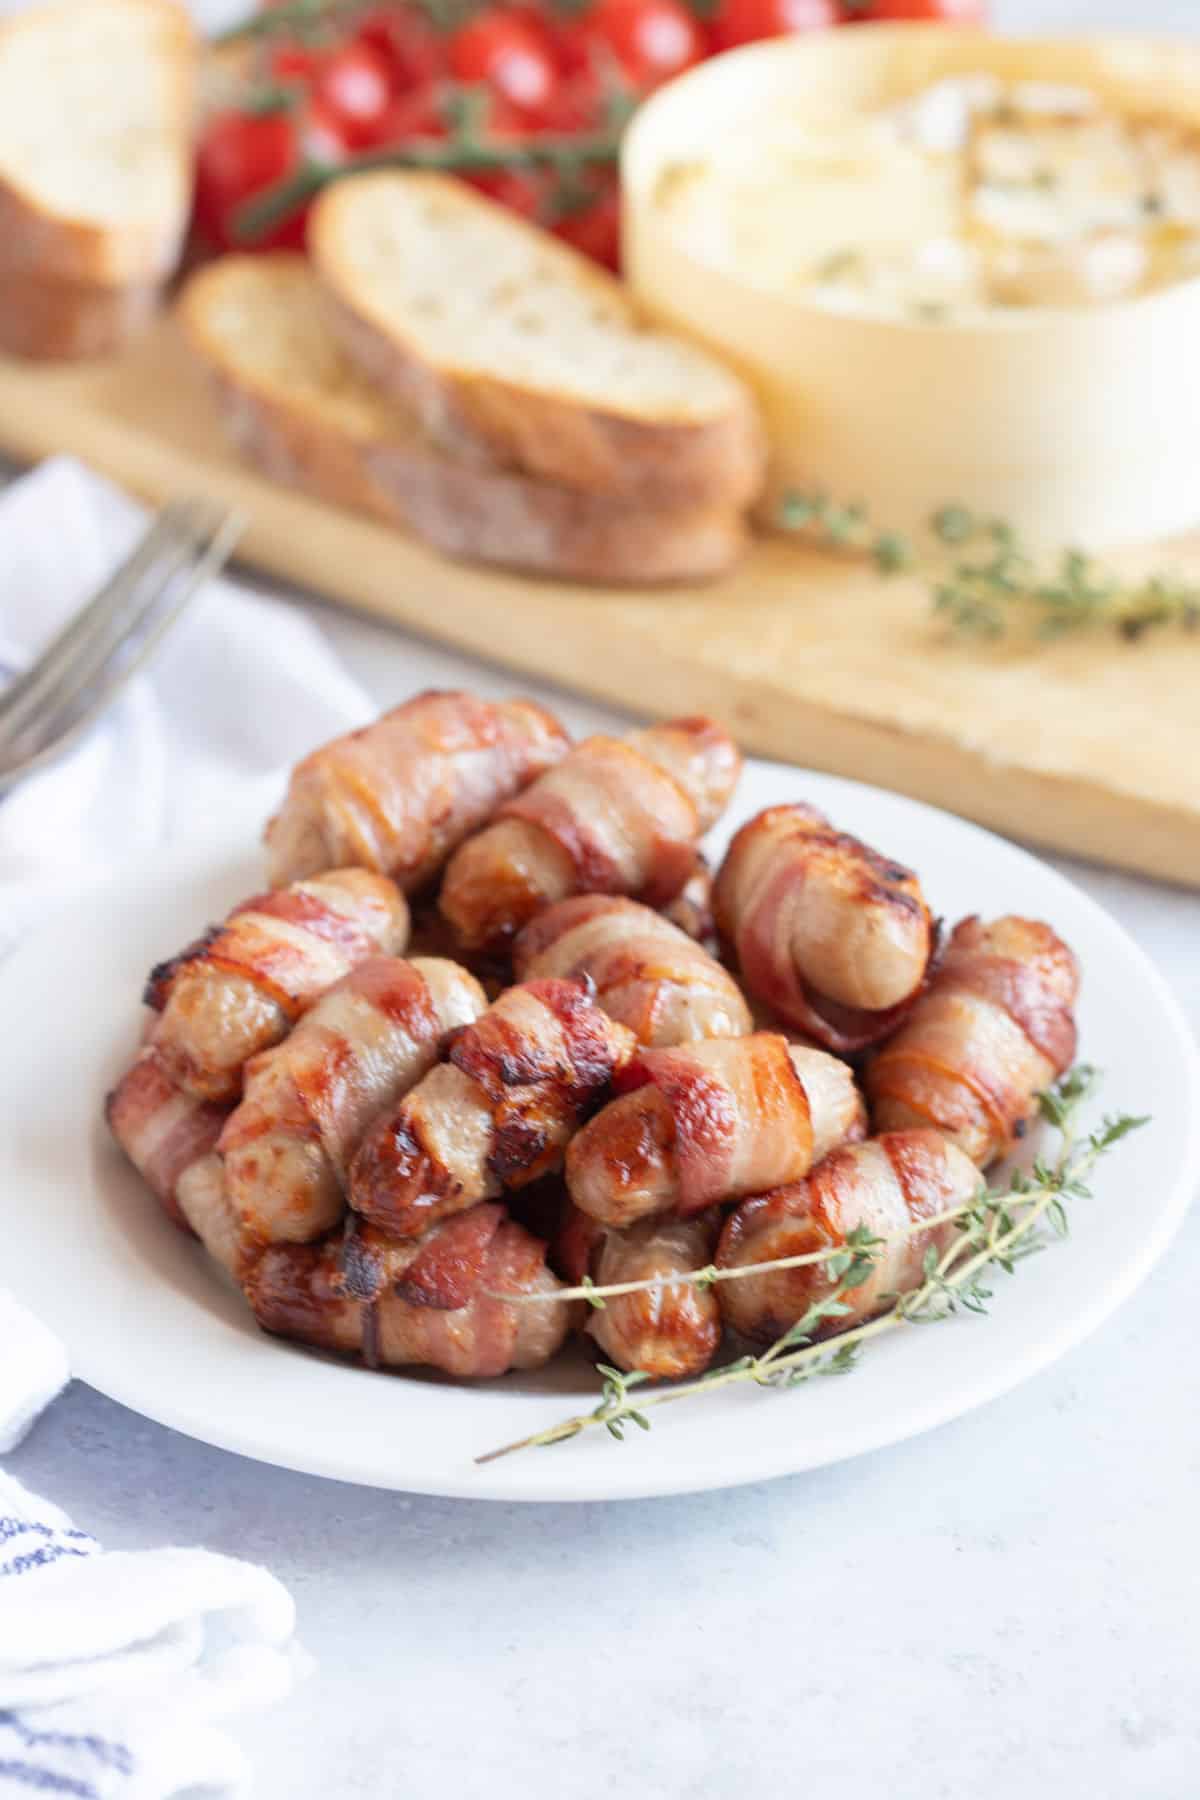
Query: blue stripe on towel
{"type": "Point", "coordinates": [47, 1781]}
{"type": "Point", "coordinates": [40, 1558]}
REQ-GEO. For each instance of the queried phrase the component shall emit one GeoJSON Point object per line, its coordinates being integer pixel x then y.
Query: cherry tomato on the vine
{"type": "Point", "coordinates": [595, 228]}
{"type": "Point", "coordinates": [408, 41]}
{"type": "Point", "coordinates": [524, 191]}
{"type": "Point", "coordinates": [416, 114]}
{"type": "Point", "coordinates": [950, 12]}
{"type": "Point", "coordinates": [651, 39]}
{"type": "Point", "coordinates": [292, 62]}
{"type": "Point", "coordinates": [354, 85]}
{"type": "Point", "coordinates": [505, 50]}
{"type": "Point", "coordinates": [746, 21]}
{"type": "Point", "coordinates": [239, 154]}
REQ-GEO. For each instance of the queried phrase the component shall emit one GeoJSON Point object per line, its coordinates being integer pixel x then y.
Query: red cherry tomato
{"type": "Point", "coordinates": [746, 21]}
{"type": "Point", "coordinates": [241, 155]}
{"type": "Point", "coordinates": [504, 50]}
{"type": "Point", "coordinates": [416, 114]}
{"type": "Point", "coordinates": [354, 85]}
{"type": "Point", "coordinates": [595, 229]}
{"type": "Point", "coordinates": [292, 63]}
{"type": "Point", "coordinates": [950, 12]}
{"type": "Point", "coordinates": [524, 192]}
{"type": "Point", "coordinates": [238, 155]}
{"type": "Point", "coordinates": [408, 41]}
{"type": "Point", "coordinates": [651, 39]}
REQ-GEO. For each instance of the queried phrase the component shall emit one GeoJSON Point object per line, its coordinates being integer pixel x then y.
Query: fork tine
{"type": "Point", "coordinates": [170, 536]}
{"type": "Point", "coordinates": [210, 554]}
{"type": "Point", "coordinates": [214, 555]}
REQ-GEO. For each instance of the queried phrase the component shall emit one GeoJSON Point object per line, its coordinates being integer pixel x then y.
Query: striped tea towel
{"type": "Point", "coordinates": [116, 1666]}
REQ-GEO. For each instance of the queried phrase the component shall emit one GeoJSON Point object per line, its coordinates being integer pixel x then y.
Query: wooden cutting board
{"type": "Point", "coordinates": [1090, 746]}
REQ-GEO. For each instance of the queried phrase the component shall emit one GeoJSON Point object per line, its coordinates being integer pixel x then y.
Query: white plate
{"type": "Point", "coordinates": [147, 1321]}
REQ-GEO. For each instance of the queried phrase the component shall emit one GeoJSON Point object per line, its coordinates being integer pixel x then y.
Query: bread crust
{"type": "Point", "coordinates": [45, 318]}
{"type": "Point", "coordinates": [35, 242]}
{"type": "Point", "coordinates": [718, 461]}
{"type": "Point", "coordinates": [462, 509]}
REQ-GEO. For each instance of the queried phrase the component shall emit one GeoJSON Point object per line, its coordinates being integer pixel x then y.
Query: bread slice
{"type": "Point", "coordinates": [298, 409]}
{"type": "Point", "coordinates": [95, 149]}
{"type": "Point", "coordinates": [513, 349]}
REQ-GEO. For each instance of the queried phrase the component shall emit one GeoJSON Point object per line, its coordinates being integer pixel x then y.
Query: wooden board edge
{"type": "Point", "coordinates": [1061, 813]}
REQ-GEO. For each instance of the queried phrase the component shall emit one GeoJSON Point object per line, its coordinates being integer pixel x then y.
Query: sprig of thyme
{"type": "Point", "coordinates": [996, 1231]}
{"type": "Point", "coordinates": [985, 583]}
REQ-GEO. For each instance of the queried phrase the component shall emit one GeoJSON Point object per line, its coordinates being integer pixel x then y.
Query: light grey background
{"type": "Point", "coordinates": [1006, 1607]}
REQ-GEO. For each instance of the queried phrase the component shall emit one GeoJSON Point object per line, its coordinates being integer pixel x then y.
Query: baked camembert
{"type": "Point", "coordinates": [973, 194]}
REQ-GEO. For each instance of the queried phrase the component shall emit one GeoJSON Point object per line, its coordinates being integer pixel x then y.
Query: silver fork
{"type": "Point", "coordinates": [82, 670]}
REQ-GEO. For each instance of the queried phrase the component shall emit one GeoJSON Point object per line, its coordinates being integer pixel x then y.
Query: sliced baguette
{"type": "Point", "coordinates": [95, 142]}
{"type": "Point", "coordinates": [513, 349]}
{"type": "Point", "coordinates": [300, 411]}
{"type": "Point", "coordinates": [46, 318]}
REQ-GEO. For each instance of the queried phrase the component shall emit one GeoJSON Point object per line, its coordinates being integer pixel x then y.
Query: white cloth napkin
{"type": "Point", "coordinates": [241, 687]}
{"type": "Point", "coordinates": [115, 1667]}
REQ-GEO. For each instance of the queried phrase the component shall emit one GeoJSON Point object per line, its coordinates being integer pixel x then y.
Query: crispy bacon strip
{"type": "Point", "coordinates": [399, 795]}
{"type": "Point", "coordinates": [834, 937]}
{"type": "Point", "coordinates": [996, 1026]}
{"type": "Point", "coordinates": [886, 1184]}
{"type": "Point", "coordinates": [497, 1114]}
{"type": "Point", "coordinates": [308, 1102]}
{"type": "Point", "coordinates": [161, 1129]}
{"type": "Point", "coordinates": [349, 1297]}
{"type": "Point", "coordinates": [667, 1332]}
{"type": "Point", "coordinates": [237, 990]}
{"type": "Point", "coordinates": [708, 1123]}
{"type": "Point", "coordinates": [616, 816]}
{"type": "Point", "coordinates": [648, 974]}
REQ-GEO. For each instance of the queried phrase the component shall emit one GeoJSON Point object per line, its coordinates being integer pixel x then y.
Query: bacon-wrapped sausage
{"type": "Point", "coordinates": [835, 938]}
{"type": "Point", "coordinates": [241, 986]}
{"type": "Point", "coordinates": [368, 1297]}
{"type": "Point", "coordinates": [711, 1122]}
{"type": "Point", "coordinates": [497, 1114]}
{"type": "Point", "coordinates": [616, 816]}
{"type": "Point", "coordinates": [667, 1332]}
{"type": "Point", "coordinates": [647, 973]}
{"type": "Point", "coordinates": [692, 907]}
{"type": "Point", "coordinates": [204, 1202]}
{"type": "Point", "coordinates": [886, 1184]}
{"type": "Point", "coordinates": [307, 1103]}
{"type": "Point", "coordinates": [161, 1129]}
{"type": "Point", "coordinates": [400, 794]}
{"type": "Point", "coordinates": [995, 1027]}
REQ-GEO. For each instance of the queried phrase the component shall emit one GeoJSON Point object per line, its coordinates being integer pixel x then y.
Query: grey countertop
{"type": "Point", "coordinates": [1007, 1606]}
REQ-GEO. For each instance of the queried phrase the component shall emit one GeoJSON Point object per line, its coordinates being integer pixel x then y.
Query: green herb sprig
{"type": "Point", "coordinates": [997, 1230]}
{"type": "Point", "coordinates": [985, 583]}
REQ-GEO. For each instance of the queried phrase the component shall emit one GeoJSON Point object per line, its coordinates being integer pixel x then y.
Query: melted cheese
{"type": "Point", "coordinates": [969, 195]}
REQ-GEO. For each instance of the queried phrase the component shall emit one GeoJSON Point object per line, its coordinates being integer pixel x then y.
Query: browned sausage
{"type": "Point", "coordinates": [616, 816]}
{"type": "Point", "coordinates": [400, 794]}
{"type": "Point", "coordinates": [834, 937]}
{"type": "Point", "coordinates": [885, 1184]}
{"type": "Point", "coordinates": [708, 1123]}
{"type": "Point", "coordinates": [241, 987]}
{"type": "Point", "coordinates": [996, 1026]}
{"type": "Point", "coordinates": [647, 973]}
{"type": "Point", "coordinates": [668, 1332]}
{"type": "Point", "coordinates": [497, 1114]}
{"type": "Point", "coordinates": [351, 1298]}
{"type": "Point", "coordinates": [308, 1102]}
{"type": "Point", "coordinates": [161, 1129]}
